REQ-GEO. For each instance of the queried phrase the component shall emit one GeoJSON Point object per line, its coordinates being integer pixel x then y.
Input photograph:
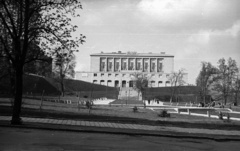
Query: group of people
{"type": "Point", "coordinates": [211, 104]}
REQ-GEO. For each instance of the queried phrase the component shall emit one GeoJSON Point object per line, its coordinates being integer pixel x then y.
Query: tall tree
{"type": "Point", "coordinates": [205, 79]}
{"type": "Point", "coordinates": [223, 81]}
{"type": "Point", "coordinates": [236, 88]}
{"type": "Point", "coordinates": [176, 79]}
{"type": "Point", "coordinates": [46, 23]}
{"type": "Point", "coordinates": [63, 68]}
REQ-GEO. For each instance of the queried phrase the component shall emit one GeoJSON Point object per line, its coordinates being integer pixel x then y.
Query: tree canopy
{"type": "Point", "coordinates": [46, 23]}
{"type": "Point", "coordinates": [205, 79]}
{"type": "Point", "coordinates": [227, 70]}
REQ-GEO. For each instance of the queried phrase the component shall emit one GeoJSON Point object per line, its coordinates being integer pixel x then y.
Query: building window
{"type": "Point", "coordinates": [124, 64]}
{"type": "Point", "coordinates": [131, 66]}
{"type": "Point", "coordinates": [167, 75]}
{"type": "Point", "coordinates": [167, 83]}
{"type": "Point", "coordinates": [109, 82]}
{"type": "Point", "coordinates": [123, 75]}
{"type": "Point", "coordinates": [102, 82]}
{"type": "Point", "coordinates": [124, 84]}
{"type": "Point", "coordinates": [102, 64]}
{"type": "Point", "coordinates": [116, 66]}
{"type": "Point", "coordinates": [159, 66]}
{"type": "Point", "coordinates": [94, 81]}
{"type": "Point", "coordinates": [110, 66]}
{"type": "Point", "coordinates": [116, 75]}
{"type": "Point", "coordinates": [95, 74]}
{"type": "Point", "coordinates": [116, 83]}
{"type": "Point", "coordinates": [130, 83]}
{"type": "Point", "coordinates": [152, 83]}
{"type": "Point", "coordinates": [124, 67]}
{"type": "Point", "coordinates": [138, 66]}
{"type": "Point", "coordinates": [109, 75]}
{"type": "Point", "coordinates": [102, 74]}
{"type": "Point", "coordinates": [145, 66]}
{"type": "Point", "coordinates": [160, 83]}
{"type": "Point", "coordinates": [153, 67]}
{"type": "Point", "coordinates": [139, 62]}
{"type": "Point", "coordinates": [160, 75]}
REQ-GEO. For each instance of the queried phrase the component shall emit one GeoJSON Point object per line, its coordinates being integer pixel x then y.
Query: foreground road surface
{"type": "Point", "coordinates": [32, 139]}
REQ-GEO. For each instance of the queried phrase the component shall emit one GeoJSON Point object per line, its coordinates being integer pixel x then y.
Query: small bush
{"type": "Point", "coordinates": [164, 113]}
{"type": "Point", "coordinates": [89, 104]}
{"type": "Point", "coordinates": [220, 115]}
{"type": "Point", "coordinates": [228, 117]}
{"type": "Point", "coordinates": [135, 109]}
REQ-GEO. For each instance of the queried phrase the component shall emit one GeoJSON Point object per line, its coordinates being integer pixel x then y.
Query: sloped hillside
{"type": "Point", "coordinates": [185, 93]}
{"type": "Point", "coordinates": [33, 84]}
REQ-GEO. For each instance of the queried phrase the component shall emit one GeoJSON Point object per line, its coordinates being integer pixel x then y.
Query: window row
{"type": "Point", "coordinates": [124, 83]}
{"type": "Point", "coordinates": [142, 64]}
{"type": "Point", "coordinates": [127, 75]}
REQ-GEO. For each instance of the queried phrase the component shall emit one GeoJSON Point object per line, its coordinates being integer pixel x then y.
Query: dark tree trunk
{"type": "Point", "coordinates": [16, 120]}
{"type": "Point", "coordinates": [62, 88]}
{"type": "Point", "coordinates": [236, 98]}
{"type": "Point", "coordinates": [225, 100]}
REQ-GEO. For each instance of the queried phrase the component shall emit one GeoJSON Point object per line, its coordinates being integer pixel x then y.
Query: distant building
{"type": "Point", "coordinates": [116, 69]}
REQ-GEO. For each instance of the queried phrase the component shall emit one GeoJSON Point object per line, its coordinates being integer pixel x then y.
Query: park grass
{"type": "Point", "coordinates": [117, 114]}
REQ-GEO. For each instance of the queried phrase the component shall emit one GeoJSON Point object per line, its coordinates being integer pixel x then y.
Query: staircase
{"type": "Point", "coordinates": [128, 94]}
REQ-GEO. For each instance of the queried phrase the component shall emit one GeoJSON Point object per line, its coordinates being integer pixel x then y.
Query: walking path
{"type": "Point", "coordinates": [56, 123]}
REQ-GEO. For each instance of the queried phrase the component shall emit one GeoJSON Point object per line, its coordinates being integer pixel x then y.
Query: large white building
{"type": "Point", "coordinates": [116, 69]}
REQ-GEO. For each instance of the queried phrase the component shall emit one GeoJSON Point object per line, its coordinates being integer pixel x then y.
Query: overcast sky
{"type": "Point", "coordinates": [191, 30]}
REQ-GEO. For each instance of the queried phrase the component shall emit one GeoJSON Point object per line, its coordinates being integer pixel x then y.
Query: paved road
{"type": "Point", "coordinates": [32, 139]}
{"type": "Point", "coordinates": [69, 122]}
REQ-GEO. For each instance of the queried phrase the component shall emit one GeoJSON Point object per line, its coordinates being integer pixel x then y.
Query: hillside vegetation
{"type": "Point", "coordinates": [35, 85]}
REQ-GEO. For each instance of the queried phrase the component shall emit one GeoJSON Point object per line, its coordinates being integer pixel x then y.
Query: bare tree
{"type": "Point", "coordinates": [64, 68]}
{"type": "Point", "coordinates": [236, 88]}
{"type": "Point", "coordinates": [176, 79]}
{"type": "Point", "coordinates": [205, 79]}
{"type": "Point", "coordinates": [225, 76]}
{"type": "Point", "coordinates": [46, 23]}
{"type": "Point", "coordinates": [140, 82]}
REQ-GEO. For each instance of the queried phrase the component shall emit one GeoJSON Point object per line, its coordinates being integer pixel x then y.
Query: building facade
{"type": "Point", "coordinates": [116, 69]}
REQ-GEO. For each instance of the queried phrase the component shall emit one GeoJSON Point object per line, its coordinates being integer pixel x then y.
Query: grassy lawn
{"type": "Point", "coordinates": [117, 114]}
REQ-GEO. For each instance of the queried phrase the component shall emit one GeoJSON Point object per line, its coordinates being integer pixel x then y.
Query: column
{"type": "Point", "coordinates": [156, 65]}
{"type": "Point", "coordinates": [149, 65]}
{"type": "Point", "coordinates": [135, 64]}
{"type": "Point", "coordinates": [127, 64]}
{"type": "Point", "coordinates": [106, 64]}
{"type": "Point", "coordinates": [100, 63]}
{"type": "Point", "coordinates": [142, 64]}
{"type": "Point", "coordinates": [113, 64]}
{"type": "Point", "coordinates": [120, 64]}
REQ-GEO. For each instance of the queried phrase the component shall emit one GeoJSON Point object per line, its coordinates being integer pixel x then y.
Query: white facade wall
{"type": "Point", "coordinates": [95, 64]}
{"type": "Point", "coordinates": [109, 78]}
{"type": "Point", "coordinates": [168, 65]}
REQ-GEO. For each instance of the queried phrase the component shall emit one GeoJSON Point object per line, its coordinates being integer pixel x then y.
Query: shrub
{"type": "Point", "coordinates": [164, 113]}
{"type": "Point", "coordinates": [220, 115]}
{"type": "Point", "coordinates": [228, 116]}
{"type": "Point", "coordinates": [135, 109]}
{"type": "Point", "coordinates": [89, 104]}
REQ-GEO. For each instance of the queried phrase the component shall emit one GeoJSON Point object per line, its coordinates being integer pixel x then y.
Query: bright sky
{"type": "Point", "coordinates": [191, 30]}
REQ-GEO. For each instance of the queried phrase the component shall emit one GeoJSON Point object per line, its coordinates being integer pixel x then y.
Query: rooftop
{"type": "Point", "coordinates": [119, 53]}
